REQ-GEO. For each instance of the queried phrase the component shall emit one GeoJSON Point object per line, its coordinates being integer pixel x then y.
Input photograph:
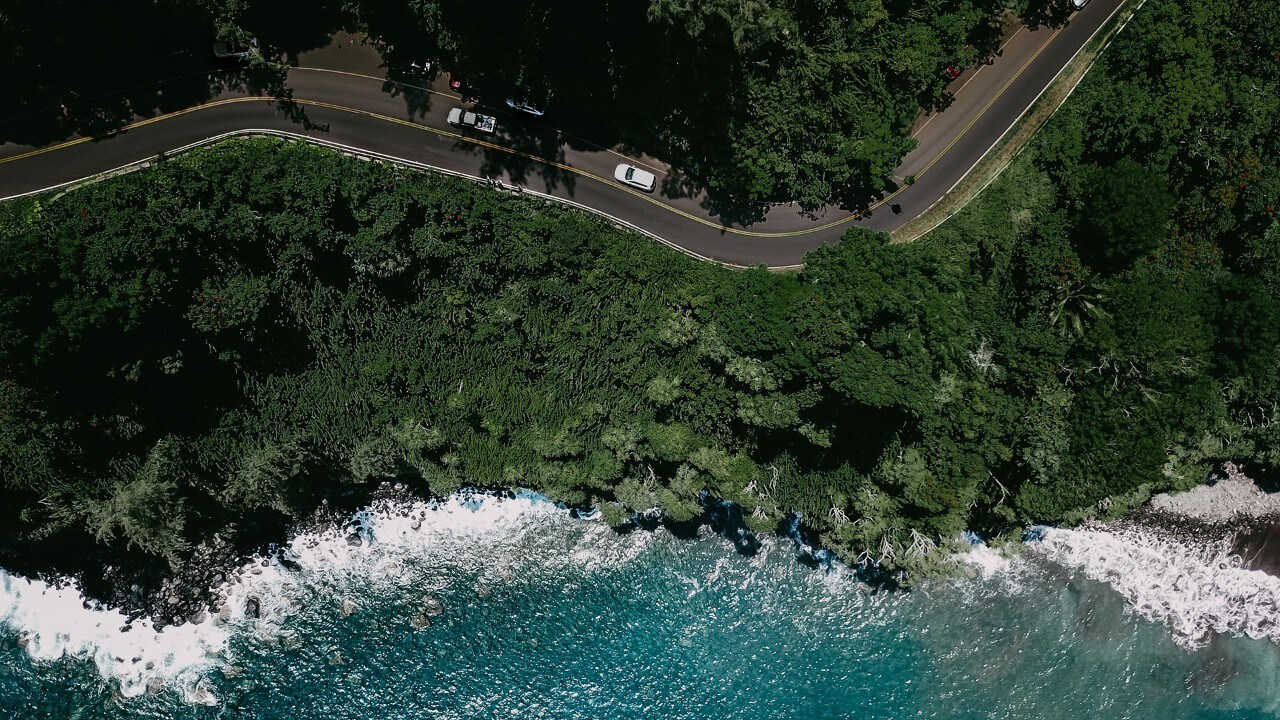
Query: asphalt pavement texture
{"type": "Point", "coordinates": [340, 95]}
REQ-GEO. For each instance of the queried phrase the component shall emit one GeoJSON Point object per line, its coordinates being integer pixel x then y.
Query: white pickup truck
{"type": "Point", "coordinates": [468, 119]}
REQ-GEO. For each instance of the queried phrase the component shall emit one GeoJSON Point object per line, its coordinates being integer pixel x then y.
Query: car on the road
{"type": "Point", "coordinates": [474, 120]}
{"type": "Point", "coordinates": [524, 105]}
{"type": "Point", "coordinates": [635, 177]}
{"type": "Point", "coordinates": [418, 68]}
{"type": "Point", "coordinates": [234, 50]}
{"type": "Point", "coordinates": [1079, 4]}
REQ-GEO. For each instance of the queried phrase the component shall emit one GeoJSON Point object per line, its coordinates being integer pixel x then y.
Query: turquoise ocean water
{"type": "Point", "coordinates": [494, 608]}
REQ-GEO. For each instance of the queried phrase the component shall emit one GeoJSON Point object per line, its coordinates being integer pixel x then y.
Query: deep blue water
{"type": "Point", "coordinates": [543, 616]}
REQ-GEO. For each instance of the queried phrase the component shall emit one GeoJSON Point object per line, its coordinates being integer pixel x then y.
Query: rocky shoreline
{"type": "Point", "coordinates": [1230, 508]}
{"type": "Point", "coordinates": [1203, 563]}
{"type": "Point", "coordinates": [194, 590]}
{"type": "Point", "coordinates": [146, 587]}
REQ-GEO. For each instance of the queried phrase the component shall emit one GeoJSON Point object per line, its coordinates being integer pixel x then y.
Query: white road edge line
{"type": "Point", "coordinates": [358, 152]}
{"type": "Point", "coordinates": [1027, 109]}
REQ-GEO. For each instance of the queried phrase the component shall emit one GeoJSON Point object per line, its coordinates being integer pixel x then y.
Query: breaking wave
{"type": "Point", "coordinates": [57, 622]}
{"type": "Point", "coordinates": [387, 546]}
{"type": "Point", "coordinates": [1194, 589]}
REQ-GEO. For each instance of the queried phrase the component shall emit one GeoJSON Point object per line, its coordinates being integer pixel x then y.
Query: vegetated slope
{"type": "Point", "coordinates": [236, 333]}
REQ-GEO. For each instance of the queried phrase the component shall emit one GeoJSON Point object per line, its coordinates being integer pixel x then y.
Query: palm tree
{"type": "Point", "coordinates": [1078, 305]}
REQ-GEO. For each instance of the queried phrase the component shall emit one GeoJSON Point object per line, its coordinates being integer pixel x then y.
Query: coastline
{"type": "Point", "coordinates": [1228, 515]}
{"type": "Point", "coordinates": [1199, 579]}
{"type": "Point", "coordinates": [1203, 563]}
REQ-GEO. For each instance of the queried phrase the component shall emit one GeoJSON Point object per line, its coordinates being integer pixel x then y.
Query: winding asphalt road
{"type": "Point", "coordinates": [347, 101]}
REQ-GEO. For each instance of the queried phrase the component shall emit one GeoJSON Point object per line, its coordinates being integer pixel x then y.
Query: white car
{"type": "Point", "coordinates": [635, 177]}
{"type": "Point", "coordinates": [1079, 4]}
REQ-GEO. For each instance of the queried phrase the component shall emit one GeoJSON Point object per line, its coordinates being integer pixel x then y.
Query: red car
{"type": "Point", "coordinates": [455, 83]}
{"type": "Point", "coordinates": [952, 72]}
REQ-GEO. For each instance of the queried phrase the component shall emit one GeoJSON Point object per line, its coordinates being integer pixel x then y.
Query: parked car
{"type": "Point", "coordinates": [469, 119]}
{"type": "Point", "coordinates": [635, 177]}
{"type": "Point", "coordinates": [1079, 4]}
{"type": "Point", "coordinates": [455, 83]}
{"type": "Point", "coordinates": [232, 50]}
{"type": "Point", "coordinates": [418, 68]}
{"type": "Point", "coordinates": [524, 105]}
{"type": "Point", "coordinates": [952, 72]}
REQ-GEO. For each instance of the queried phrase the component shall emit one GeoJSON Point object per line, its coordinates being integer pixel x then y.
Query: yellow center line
{"type": "Point", "coordinates": [453, 96]}
{"type": "Point", "coordinates": [990, 102]}
{"type": "Point", "coordinates": [558, 165]}
{"type": "Point", "coordinates": [131, 126]}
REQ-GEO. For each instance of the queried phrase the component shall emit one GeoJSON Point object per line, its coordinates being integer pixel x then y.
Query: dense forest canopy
{"type": "Point", "coordinates": [754, 101]}
{"type": "Point", "coordinates": [243, 330]}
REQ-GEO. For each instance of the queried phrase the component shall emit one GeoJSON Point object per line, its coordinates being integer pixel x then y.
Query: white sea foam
{"type": "Point", "coordinates": [987, 561]}
{"type": "Point", "coordinates": [53, 623]}
{"type": "Point", "coordinates": [1194, 588]}
{"type": "Point", "coordinates": [1230, 496]}
{"type": "Point", "coordinates": [390, 544]}
{"type": "Point", "coordinates": [385, 545]}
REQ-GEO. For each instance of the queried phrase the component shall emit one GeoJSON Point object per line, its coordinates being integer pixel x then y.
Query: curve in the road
{"type": "Point", "coordinates": [681, 222]}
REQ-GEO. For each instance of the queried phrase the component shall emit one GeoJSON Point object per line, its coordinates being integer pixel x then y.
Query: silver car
{"type": "Point", "coordinates": [459, 117]}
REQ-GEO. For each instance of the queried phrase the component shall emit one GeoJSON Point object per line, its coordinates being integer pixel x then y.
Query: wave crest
{"type": "Point", "coordinates": [57, 622]}
{"type": "Point", "coordinates": [1194, 589]}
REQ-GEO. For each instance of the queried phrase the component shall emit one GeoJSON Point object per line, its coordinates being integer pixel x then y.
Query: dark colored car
{"type": "Point", "coordinates": [231, 50]}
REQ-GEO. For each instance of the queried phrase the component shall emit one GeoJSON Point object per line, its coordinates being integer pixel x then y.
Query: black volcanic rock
{"type": "Point", "coordinates": [1259, 547]}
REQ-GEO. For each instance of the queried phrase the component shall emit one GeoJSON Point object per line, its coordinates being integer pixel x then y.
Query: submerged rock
{"type": "Point", "coordinates": [431, 606]}
{"type": "Point", "coordinates": [348, 608]}
{"type": "Point", "coordinates": [420, 621]}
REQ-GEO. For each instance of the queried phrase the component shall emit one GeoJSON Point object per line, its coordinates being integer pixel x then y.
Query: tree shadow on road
{"type": "Point", "coordinates": [527, 153]}
{"type": "Point", "coordinates": [1051, 13]}
{"type": "Point", "coordinates": [735, 213]}
{"type": "Point", "coordinates": [117, 62]}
